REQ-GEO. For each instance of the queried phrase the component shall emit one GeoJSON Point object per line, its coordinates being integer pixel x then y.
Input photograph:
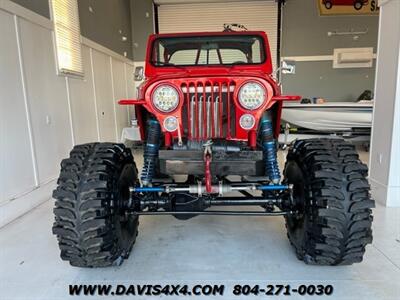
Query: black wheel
{"type": "Point", "coordinates": [331, 195]}
{"type": "Point", "coordinates": [328, 4]}
{"type": "Point", "coordinates": [358, 5]}
{"type": "Point", "coordinates": [91, 225]}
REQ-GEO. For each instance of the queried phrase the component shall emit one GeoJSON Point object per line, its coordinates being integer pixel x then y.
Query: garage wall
{"type": "Point", "coordinates": [142, 26]}
{"type": "Point", "coordinates": [107, 23]}
{"type": "Point", "coordinates": [304, 34]}
{"type": "Point", "coordinates": [38, 6]}
{"type": "Point", "coordinates": [384, 164]}
{"type": "Point", "coordinates": [42, 115]}
{"type": "Point", "coordinates": [103, 21]}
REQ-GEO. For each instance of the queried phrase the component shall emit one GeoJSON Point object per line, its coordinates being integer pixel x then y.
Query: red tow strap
{"type": "Point", "coordinates": [207, 172]}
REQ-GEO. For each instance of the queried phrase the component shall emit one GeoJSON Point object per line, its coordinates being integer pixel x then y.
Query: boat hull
{"type": "Point", "coordinates": [330, 117]}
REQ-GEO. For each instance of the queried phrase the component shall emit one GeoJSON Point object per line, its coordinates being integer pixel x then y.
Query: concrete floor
{"type": "Point", "coordinates": [203, 250]}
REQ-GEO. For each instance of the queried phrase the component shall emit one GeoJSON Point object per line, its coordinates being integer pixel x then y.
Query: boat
{"type": "Point", "coordinates": [329, 117]}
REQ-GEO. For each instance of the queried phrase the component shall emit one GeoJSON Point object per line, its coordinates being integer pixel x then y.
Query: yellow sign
{"type": "Point", "coordinates": [348, 7]}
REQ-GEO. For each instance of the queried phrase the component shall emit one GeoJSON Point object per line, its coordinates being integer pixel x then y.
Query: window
{"type": "Point", "coordinates": [184, 57]}
{"type": "Point", "coordinates": [67, 36]}
{"type": "Point", "coordinates": [211, 57]}
{"type": "Point", "coordinates": [227, 49]}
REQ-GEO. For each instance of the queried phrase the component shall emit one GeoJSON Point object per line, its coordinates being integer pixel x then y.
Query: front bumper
{"type": "Point", "coordinates": [183, 162]}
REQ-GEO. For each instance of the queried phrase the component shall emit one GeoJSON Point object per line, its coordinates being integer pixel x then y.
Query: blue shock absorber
{"type": "Point", "coordinates": [150, 151]}
{"type": "Point", "coordinates": [269, 149]}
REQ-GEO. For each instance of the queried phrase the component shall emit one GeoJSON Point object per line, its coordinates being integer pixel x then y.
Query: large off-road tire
{"type": "Point", "coordinates": [91, 225]}
{"type": "Point", "coordinates": [331, 193]}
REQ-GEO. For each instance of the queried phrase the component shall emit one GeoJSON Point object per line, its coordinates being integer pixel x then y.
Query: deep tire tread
{"type": "Point", "coordinates": [84, 214]}
{"type": "Point", "coordinates": [338, 203]}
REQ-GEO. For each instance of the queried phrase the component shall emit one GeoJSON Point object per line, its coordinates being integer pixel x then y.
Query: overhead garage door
{"type": "Point", "coordinates": [193, 17]}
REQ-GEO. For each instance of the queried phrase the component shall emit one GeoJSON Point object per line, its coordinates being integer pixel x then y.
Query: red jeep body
{"type": "Point", "coordinates": [357, 4]}
{"type": "Point", "coordinates": [197, 125]}
{"type": "Point", "coordinates": [214, 79]}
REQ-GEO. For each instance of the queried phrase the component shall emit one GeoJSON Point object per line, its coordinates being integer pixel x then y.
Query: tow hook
{"type": "Point", "coordinates": [207, 165]}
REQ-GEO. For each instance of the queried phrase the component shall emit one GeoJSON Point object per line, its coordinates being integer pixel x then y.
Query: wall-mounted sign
{"type": "Point", "coordinates": [348, 7]}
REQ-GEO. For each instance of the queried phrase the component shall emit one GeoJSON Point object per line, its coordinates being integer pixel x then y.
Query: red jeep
{"type": "Point", "coordinates": [357, 4]}
{"type": "Point", "coordinates": [209, 109]}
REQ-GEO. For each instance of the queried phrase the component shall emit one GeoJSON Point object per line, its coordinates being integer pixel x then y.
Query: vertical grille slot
{"type": "Point", "coordinates": [208, 111]}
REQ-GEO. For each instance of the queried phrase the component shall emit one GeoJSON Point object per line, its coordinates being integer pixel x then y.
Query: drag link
{"type": "Point", "coordinates": [217, 189]}
{"type": "Point", "coordinates": [215, 212]}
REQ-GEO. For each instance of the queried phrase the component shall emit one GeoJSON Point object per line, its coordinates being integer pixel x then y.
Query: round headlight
{"type": "Point", "coordinates": [251, 95]}
{"type": "Point", "coordinates": [247, 121]}
{"type": "Point", "coordinates": [171, 123]}
{"type": "Point", "coordinates": [165, 98]}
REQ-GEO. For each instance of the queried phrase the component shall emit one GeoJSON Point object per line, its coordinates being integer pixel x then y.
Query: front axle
{"type": "Point", "coordinates": [191, 200]}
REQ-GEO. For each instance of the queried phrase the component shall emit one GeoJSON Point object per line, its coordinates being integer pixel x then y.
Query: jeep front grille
{"type": "Point", "coordinates": [208, 110]}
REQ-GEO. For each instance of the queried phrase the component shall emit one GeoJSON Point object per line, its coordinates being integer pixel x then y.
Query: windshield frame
{"type": "Point", "coordinates": [263, 51]}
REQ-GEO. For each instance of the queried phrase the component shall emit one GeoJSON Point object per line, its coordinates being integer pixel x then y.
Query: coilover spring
{"type": "Point", "coordinates": [269, 150]}
{"type": "Point", "coordinates": [150, 151]}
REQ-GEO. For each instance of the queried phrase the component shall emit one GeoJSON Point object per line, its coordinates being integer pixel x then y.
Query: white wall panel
{"type": "Point", "coordinates": [130, 70]}
{"type": "Point", "coordinates": [119, 89]}
{"type": "Point", "coordinates": [40, 110]}
{"type": "Point", "coordinates": [83, 103]}
{"type": "Point", "coordinates": [130, 87]}
{"type": "Point", "coordinates": [384, 161]}
{"type": "Point", "coordinates": [104, 96]}
{"type": "Point", "coordinates": [47, 97]}
{"type": "Point", "coordinates": [16, 169]}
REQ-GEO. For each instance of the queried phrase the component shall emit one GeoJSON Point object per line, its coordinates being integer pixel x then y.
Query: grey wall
{"type": "Point", "coordinates": [38, 6]}
{"type": "Point", "coordinates": [142, 26]}
{"type": "Point", "coordinates": [304, 33]}
{"type": "Point", "coordinates": [106, 22]}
